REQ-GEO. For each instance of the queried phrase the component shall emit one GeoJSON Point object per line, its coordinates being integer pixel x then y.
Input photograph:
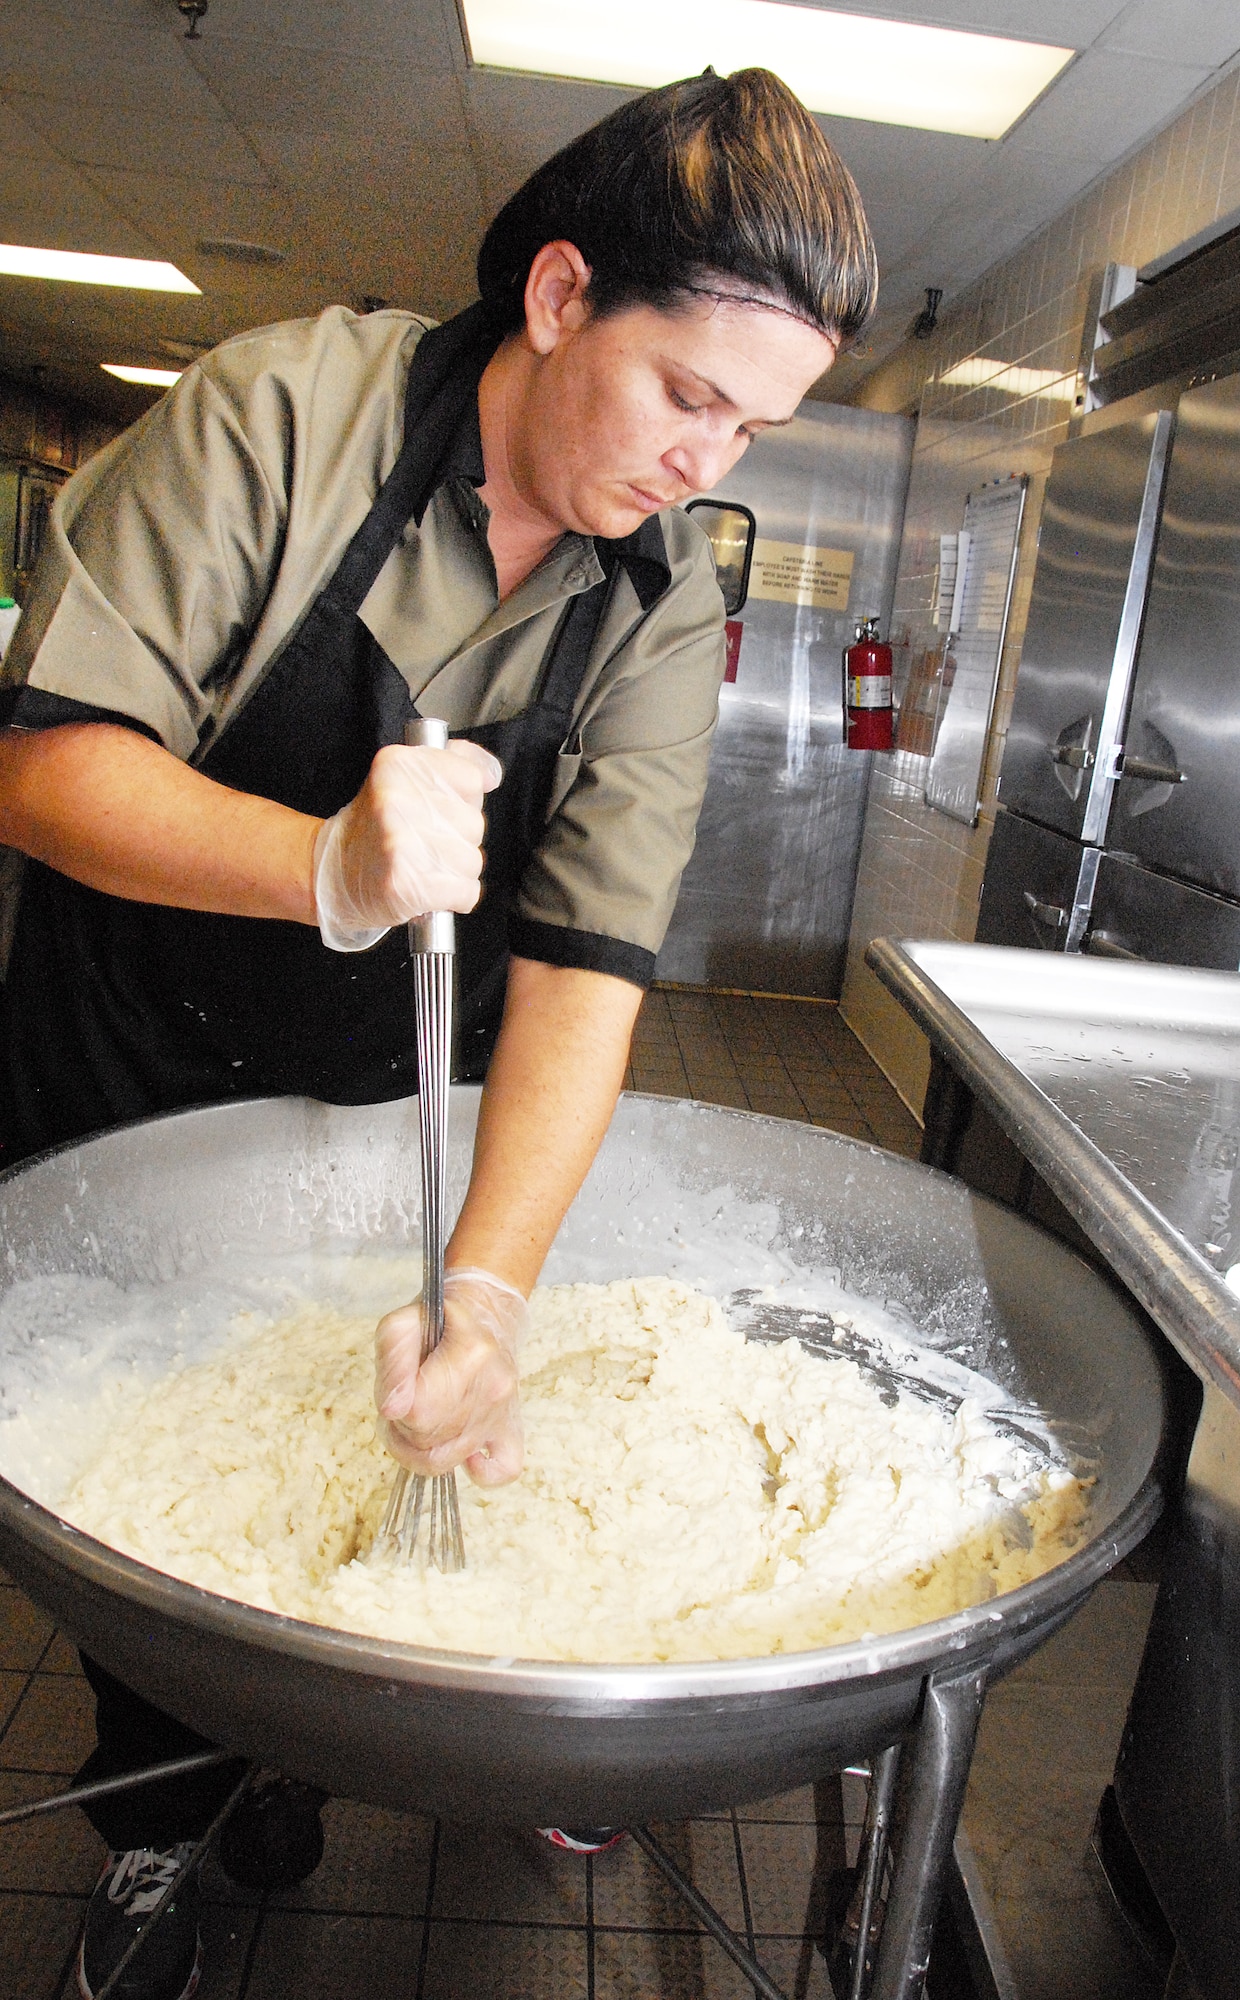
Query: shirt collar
{"type": "Point", "coordinates": [642, 555]}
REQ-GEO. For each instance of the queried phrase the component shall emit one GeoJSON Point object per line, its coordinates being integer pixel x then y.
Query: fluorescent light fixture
{"type": "Point", "coordinates": [849, 65]}
{"type": "Point", "coordinates": [979, 373]}
{"type": "Point", "coordinates": [77, 267]}
{"type": "Point", "coordinates": [158, 378]}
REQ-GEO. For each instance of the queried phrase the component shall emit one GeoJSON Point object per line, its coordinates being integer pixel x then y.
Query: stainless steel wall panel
{"type": "Point", "coordinates": [1095, 549]}
{"type": "Point", "coordinates": [766, 900]}
{"type": "Point", "coordinates": [1178, 799]}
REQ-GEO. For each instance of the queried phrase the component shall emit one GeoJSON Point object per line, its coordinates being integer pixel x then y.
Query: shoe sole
{"type": "Point", "coordinates": [556, 1837]}
{"type": "Point", "coordinates": [187, 1992]}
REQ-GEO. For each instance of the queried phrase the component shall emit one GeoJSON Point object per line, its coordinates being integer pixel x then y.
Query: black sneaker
{"type": "Point", "coordinates": [130, 1890]}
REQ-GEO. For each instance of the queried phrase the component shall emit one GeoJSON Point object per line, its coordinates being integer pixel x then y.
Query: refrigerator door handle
{"type": "Point", "coordinates": [1149, 774]}
{"type": "Point", "coordinates": [1075, 755]}
{"type": "Point", "coordinates": [1051, 914]}
{"type": "Point", "coordinates": [1105, 944]}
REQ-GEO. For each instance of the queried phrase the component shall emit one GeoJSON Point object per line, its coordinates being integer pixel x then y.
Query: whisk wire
{"type": "Point", "coordinates": [432, 972]}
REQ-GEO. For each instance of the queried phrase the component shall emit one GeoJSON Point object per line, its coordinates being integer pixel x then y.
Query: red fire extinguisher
{"type": "Point", "coordinates": [867, 691]}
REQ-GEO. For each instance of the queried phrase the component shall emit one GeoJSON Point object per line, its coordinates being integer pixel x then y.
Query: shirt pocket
{"type": "Point", "coordinates": [567, 764]}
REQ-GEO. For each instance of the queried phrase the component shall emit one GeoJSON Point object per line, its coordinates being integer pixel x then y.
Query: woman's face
{"type": "Point", "coordinates": [623, 415]}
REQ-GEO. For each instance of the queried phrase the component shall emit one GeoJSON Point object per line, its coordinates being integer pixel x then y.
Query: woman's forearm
{"type": "Point", "coordinates": [550, 1092]}
{"type": "Point", "coordinates": [119, 813]}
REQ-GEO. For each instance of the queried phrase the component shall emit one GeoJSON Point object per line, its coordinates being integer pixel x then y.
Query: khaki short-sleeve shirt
{"type": "Point", "coordinates": [183, 558]}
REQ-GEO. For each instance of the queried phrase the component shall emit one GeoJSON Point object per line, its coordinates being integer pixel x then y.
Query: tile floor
{"type": "Point", "coordinates": [787, 1058]}
{"type": "Point", "coordinates": [402, 1906]}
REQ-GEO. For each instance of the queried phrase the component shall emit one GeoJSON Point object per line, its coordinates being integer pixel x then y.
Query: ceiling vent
{"type": "Point", "coordinates": [1181, 317]}
{"type": "Point", "coordinates": [240, 251]}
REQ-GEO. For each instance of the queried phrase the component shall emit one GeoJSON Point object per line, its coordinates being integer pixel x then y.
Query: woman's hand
{"type": "Point", "coordinates": [409, 843]}
{"type": "Point", "coordinates": [460, 1406]}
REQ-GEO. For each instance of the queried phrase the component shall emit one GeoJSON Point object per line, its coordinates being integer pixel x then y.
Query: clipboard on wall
{"type": "Point", "coordinates": [981, 601]}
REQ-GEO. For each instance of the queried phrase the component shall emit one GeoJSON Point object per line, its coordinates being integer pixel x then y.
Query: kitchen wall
{"type": "Point", "coordinates": [41, 431]}
{"type": "Point", "coordinates": [920, 873]}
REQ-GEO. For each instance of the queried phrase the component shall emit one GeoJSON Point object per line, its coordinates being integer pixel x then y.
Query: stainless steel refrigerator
{"type": "Point", "coordinates": [807, 532]}
{"type": "Point", "coordinates": [1119, 824]}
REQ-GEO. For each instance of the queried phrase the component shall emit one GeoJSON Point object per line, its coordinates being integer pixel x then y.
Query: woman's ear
{"type": "Point", "coordinates": [555, 295]}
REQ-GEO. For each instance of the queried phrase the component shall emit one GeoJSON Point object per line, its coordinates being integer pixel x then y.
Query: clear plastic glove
{"type": "Point", "coordinates": [409, 843]}
{"type": "Point", "coordinates": [460, 1406]}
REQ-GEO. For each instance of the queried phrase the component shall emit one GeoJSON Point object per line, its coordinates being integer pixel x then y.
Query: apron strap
{"type": "Point", "coordinates": [569, 650]}
{"type": "Point", "coordinates": [444, 374]}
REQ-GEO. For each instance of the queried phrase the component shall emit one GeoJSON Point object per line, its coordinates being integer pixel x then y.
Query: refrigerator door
{"type": "Point", "coordinates": [766, 899]}
{"type": "Point", "coordinates": [1095, 547]}
{"type": "Point", "coordinates": [1137, 914]}
{"type": "Point", "coordinates": [1032, 885]}
{"type": "Point", "coordinates": [1177, 803]}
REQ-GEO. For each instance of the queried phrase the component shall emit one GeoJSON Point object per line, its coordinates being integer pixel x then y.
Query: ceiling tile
{"type": "Point", "coordinates": [309, 91]}
{"type": "Point", "coordinates": [1195, 31]}
{"type": "Point", "coordinates": [1105, 104]}
{"type": "Point", "coordinates": [24, 138]}
{"type": "Point", "coordinates": [325, 166]}
{"type": "Point", "coordinates": [1068, 24]}
{"type": "Point", "coordinates": [520, 121]}
{"type": "Point", "coordinates": [105, 135]}
{"type": "Point", "coordinates": [421, 32]}
{"type": "Point", "coordinates": [176, 211]}
{"type": "Point", "coordinates": [65, 16]}
{"type": "Point", "coordinates": [58, 208]}
{"type": "Point", "coordinates": [96, 62]}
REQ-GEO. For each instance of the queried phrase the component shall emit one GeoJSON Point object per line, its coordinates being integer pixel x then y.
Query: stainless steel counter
{"type": "Point", "coordinates": [1120, 1084]}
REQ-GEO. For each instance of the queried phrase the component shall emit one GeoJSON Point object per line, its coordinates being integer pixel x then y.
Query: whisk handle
{"type": "Point", "coordinates": [436, 932]}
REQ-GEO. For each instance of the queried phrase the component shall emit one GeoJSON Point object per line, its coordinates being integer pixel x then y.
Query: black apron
{"type": "Point", "coordinates": [118, 1009]}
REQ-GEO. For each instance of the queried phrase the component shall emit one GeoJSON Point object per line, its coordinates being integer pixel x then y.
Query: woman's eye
{"type": "Point", "coordinates": [683, 403]}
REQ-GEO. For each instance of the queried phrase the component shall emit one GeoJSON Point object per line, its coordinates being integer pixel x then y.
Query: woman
{"type": "Point", "coordinates": [326, 528]}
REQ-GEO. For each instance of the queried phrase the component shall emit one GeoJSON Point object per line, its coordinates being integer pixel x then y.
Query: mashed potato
{"type": "Point", "coordinates": [687, 1494]}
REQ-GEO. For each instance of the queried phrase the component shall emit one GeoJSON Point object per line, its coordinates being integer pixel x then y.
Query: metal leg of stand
{"type": "Point", "coordinates": [877, 1828]}
{"type": "Point", "coordinates": [709, 1915]}
{"type": "Point", "coordinates": [128, 1781]}
{"type": "Point", "coordinates": [938, 1772]}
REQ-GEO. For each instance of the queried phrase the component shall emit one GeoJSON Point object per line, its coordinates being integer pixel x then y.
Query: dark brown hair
{"type": "Point", "coordinates": [716, 177]}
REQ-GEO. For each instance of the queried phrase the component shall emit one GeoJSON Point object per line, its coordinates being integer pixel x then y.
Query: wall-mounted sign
{"type": "Point", "coordinates": [791, 574]}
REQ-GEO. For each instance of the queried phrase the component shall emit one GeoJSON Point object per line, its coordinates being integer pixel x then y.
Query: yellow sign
{"type": "Point", "coordinates": [794, 575]}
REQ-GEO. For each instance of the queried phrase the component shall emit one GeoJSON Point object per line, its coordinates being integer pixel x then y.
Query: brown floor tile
{"type": "Point", "coordinates": [60, 1852]}
{"type": "Point", "coordinates": [504, 1962]}
{"type": "Point", "coordinates": [1102, 1644]}
{"type": "Point", "coordinates": [798, 1967]}
{"type": "Point", "coordinates": [824, 1105]}
{"type": "Point", "coordinates": [373, 1861]}
{"type": "Point", "coordinates": [507, 1874]}
{"type": "Point", "coordinates": [24, 1631]}
{"type": "Point", "coordinates": [777, 1104]}
{"type": "Point", "coordinates": [53, 1728]}
{"type": "Point", "coordinates": [39, 1933]}
{"type": "Point", "coordinates": [809, 1805]}
{"type": "Point", "coordinates": [716, 1090]}
{"type": "Point", "coordinates": [12, 1688]}
{"type": "Point", "coordinates": [314, 1957]}
{"type": "Point", "coordinates": [1062, 1953]}
{"type": "Point", "coordinates": [787, 1869]}
{"type": "Point", "coordinates": [661, 1082]}
{"type": "Point", "coordinates": [61, 1657]}
{"type": "Point", "coordinates": [659, 1965]}
{"type": "Point", "coordinates": [630, 1891]}
{"type": "Point", "coordinates": [849, 1127]}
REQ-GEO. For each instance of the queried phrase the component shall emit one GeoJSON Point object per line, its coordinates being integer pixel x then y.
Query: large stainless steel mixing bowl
{"type": "Point", "coordinates": [676, 1187]}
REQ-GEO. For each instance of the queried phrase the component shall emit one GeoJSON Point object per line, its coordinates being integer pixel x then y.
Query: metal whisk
{"type": "Point", "coordinates": [432, 942]}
